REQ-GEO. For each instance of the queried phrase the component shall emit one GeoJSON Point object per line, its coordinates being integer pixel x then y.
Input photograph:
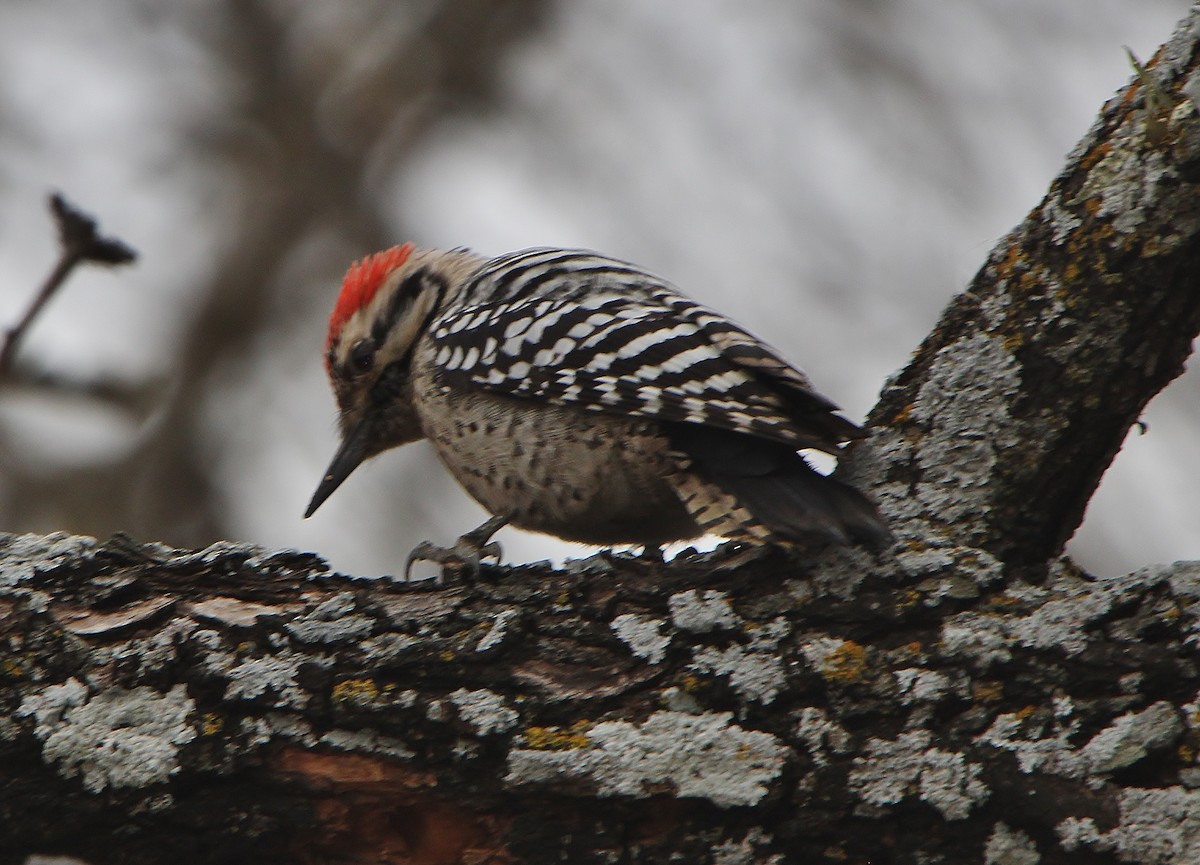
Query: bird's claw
{"type": "Point", "coordinates": [468, 555]}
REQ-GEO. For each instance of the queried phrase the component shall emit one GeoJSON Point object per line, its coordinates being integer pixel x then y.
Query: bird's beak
{"type": "Point", "coordinates": [354, 449]}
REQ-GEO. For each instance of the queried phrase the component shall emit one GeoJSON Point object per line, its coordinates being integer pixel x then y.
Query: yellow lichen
{"type": "Point", "coordinates": [1013, 341]}
{"type": "Point", "coordinates": [1030, 281]}
{"type": "Point", "coordinates": [1012, 258]}
{"type": "Point", "coordinates": [987, 692]}
{"type": "Point", "coordinates": [211, 723]}
{"type": "Point", "coordinates": [355, 691]}
{"type": "Point", "coordinates": [558, 738]}
{"type": "Point", "coordinates": [845, 664]}
{"type": "Point", "coordinates": [1095, 155]}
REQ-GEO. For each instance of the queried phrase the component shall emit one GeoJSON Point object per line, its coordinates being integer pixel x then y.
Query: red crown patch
{"type": "Point", "coordinates": [360, 284]}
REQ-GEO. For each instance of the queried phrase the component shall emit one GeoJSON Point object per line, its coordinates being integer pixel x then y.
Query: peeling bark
{"type": "Point", "coordinates": [969, 698]}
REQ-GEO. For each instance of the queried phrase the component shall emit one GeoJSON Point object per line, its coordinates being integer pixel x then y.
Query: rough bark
{"type": "Point", "coordinates": [998, 431]}
{"type": "Point", "coordinates": [971, 698]}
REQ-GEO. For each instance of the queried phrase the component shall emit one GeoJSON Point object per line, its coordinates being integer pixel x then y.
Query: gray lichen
{"type": "Point", "coordinates": [117, 738]}
{"type": "Point", "coordinates": [486, 711]}
{"type": "Point", "coordinates": [252, 678]}
{"type": "Point", "coordinates": [755, 669]}
{"type": "Point", "coordinates": [1009, 846]}
{"type": "Point", "coordinates": [498, 631]}
{"type": "Point", "coordinates": [702, 611]}
{"type": "Point", "coordinates": [1131, 737]}
{"type": "Point", "coordinates": [1124, 180]}
{"type": "Point", "coordinates": [704, 756]}
{"type": "Point", "coordinates": [367, 742]}
{"type": "Point", "coordinates": [1159, 826]}
{"type": "Point", "coordinates": [891, 770]}
{"type": "Point", "coordinates": [749, 850]}
{"type": "Point", "coordinates": [1058, 615]}
{"type": "Point", "coordinates": [271, 726]}
{"type": "Point", "coordinates": [978, 638]}
{"type": "Point", "coordinates": [643, 635]}
{"type": "Point", "coordinates": [755, 674]}
{"type": "Point", "coordinates": [821, 735]}
{"type": "Point", "coordinates": [962, 570]}
{"type": "Point", "coordinates": [1125, 741]}
{"type": "Point", "coordinates": [1052, 753]}
{"type": "Point", "coordinates": [964, 404]}
{"type": "Point", "coordinates": [921, 686]}
{"type": "Point", "coordinates": [22, 556]}
{"type": "Point", "coordinates": [1060, 622]}
{"type": "Point", "coordinates": [332, 621]}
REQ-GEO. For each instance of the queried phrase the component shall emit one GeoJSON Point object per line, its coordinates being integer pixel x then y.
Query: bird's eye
{"type": "Point", "coordinates": [362, 355]}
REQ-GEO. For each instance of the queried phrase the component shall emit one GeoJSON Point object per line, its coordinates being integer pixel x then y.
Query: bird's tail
{"type": "Point", "coordinates": [780, 489]}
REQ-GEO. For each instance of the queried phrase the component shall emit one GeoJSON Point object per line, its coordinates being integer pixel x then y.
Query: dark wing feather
{"type": "Point", "coordinates": [780, 488]}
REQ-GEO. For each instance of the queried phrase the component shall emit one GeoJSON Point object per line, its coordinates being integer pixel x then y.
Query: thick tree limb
{"type": "Point", "coordinates": [237, 705]}
{"type": "Point", "coordinates": [998, 432]}
{"type": "Point", "coordinates": [972, 700]}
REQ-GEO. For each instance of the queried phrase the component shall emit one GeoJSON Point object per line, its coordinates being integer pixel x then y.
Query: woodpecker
{"type": "Point", "coordinates": [580, 396]}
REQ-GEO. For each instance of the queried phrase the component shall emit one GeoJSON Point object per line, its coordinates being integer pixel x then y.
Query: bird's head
{"type": "Point", "coordinates": [385, 305]}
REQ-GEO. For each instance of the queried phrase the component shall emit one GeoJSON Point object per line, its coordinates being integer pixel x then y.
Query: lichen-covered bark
{"type": "Point", "coordinates": [967, 698]}
{"type": "Point", "coordinates": [238, 705]}
{"type": "Point", "coordinates": [998, 431]}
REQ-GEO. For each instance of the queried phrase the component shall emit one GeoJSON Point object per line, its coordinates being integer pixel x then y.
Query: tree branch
{"type": "Point", "coordinates": [79, 241]}
{"type": "Point", "coordinates": [997, 433]}
{"type": "Point", "coordinates": [235, 705]}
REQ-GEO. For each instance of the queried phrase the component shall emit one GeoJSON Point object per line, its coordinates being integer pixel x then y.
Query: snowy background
{"type": "Point", "coordinates": [828, 173]}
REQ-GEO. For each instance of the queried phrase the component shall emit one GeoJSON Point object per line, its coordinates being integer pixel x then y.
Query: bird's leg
{"type": "Point", "coordinates": [467, 554]}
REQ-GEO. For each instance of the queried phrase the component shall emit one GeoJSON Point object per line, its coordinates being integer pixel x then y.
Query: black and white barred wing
{"type": "Point", "coordinates": [653, 354]}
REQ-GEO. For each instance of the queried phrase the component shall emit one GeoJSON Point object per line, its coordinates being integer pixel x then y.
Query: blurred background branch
{"type": "Point", "coordinates": [302, 128]}
{"type": "Point", "coordinates": [80, 242]}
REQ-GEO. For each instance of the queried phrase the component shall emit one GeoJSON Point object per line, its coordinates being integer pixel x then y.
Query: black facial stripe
{"type": "Point", "coordinates": [439, 284]}
{"type": "Point", "coordinates": [403, 297]}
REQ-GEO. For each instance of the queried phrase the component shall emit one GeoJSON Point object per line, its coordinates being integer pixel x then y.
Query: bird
{"type": "Point", "coordinates": [582, 396]}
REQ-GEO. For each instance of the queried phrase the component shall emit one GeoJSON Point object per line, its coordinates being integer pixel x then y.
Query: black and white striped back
{"type": "Point", "coordinates": [576, 328]}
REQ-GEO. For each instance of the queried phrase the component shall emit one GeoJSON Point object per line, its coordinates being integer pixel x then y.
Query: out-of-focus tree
{"type": "Point", "coordinates": [313, 104]}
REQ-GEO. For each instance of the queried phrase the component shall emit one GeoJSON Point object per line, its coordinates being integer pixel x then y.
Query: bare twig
{"type": "Point", "coordinates": [79, 241]}
{"type": "Point", "coordinates": [137, 398]}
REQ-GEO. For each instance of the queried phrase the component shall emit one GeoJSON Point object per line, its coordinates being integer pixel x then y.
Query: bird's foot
{"type": "Point", "coordinates": [653, 554]}
{"type": "Point", "coordinates": [468, 555]}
